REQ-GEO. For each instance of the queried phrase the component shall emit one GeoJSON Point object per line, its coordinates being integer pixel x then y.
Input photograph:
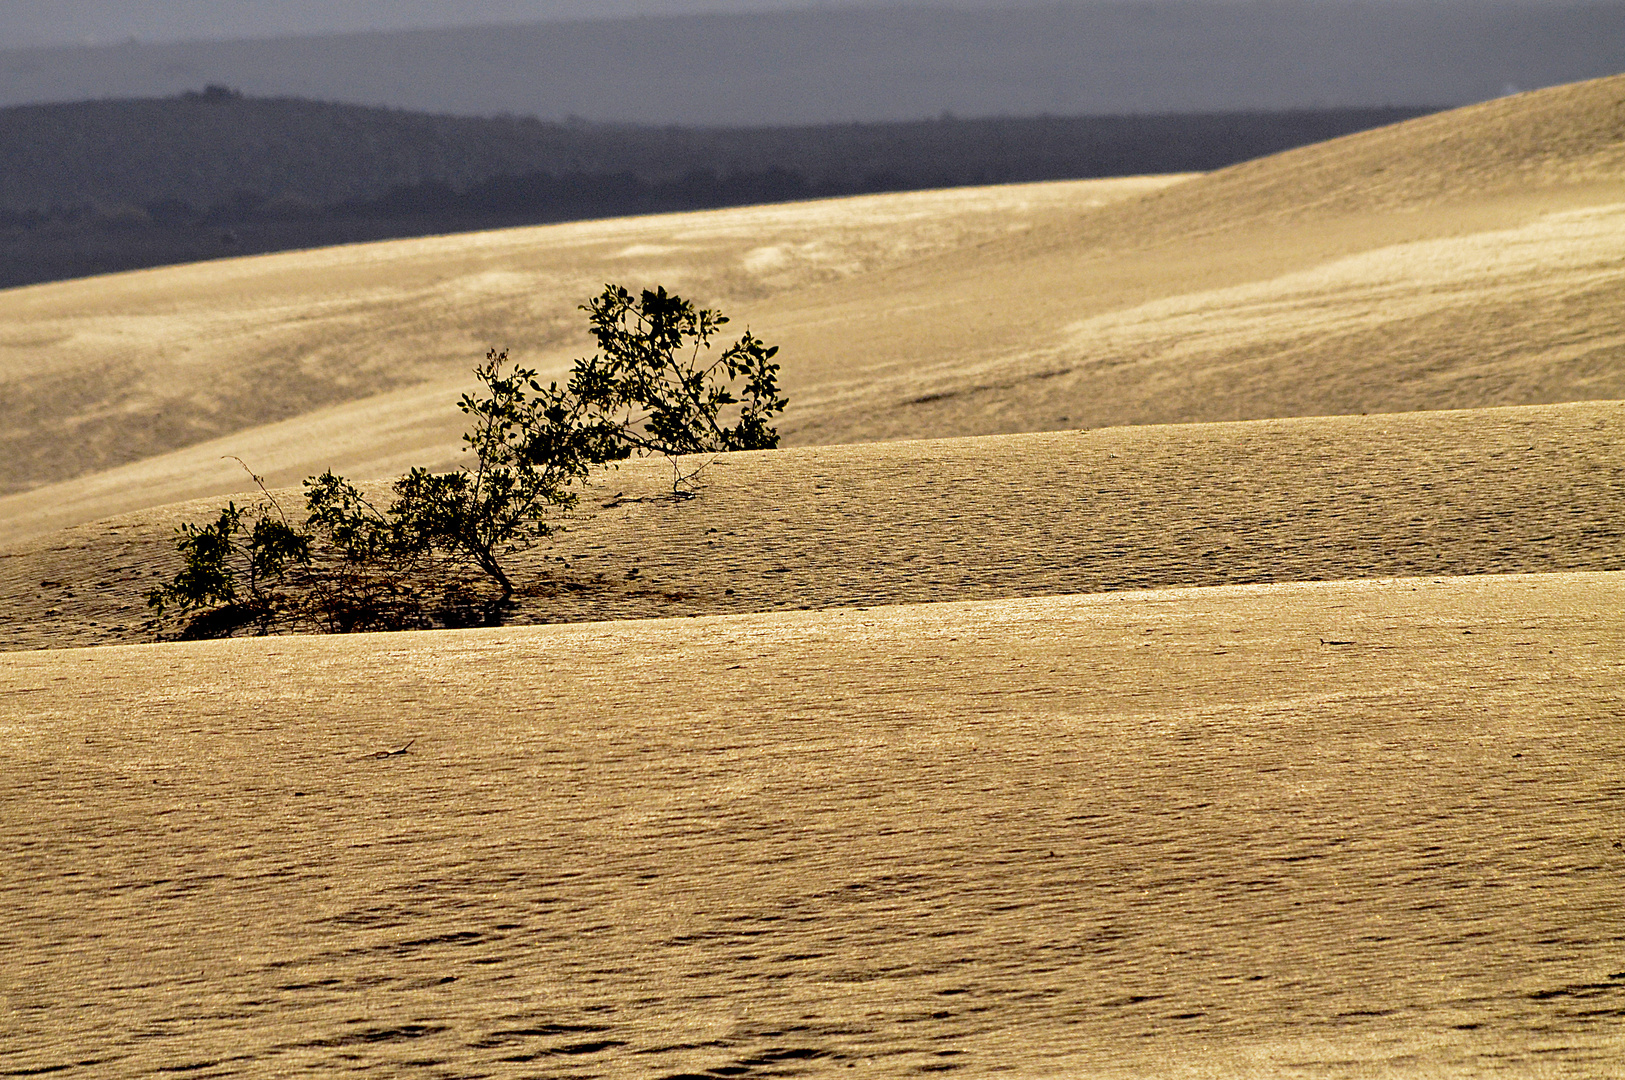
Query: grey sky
{"type": "Point", "coordinates": [795, 63]}
{"type": "Point", "coordinates": [97, 22]}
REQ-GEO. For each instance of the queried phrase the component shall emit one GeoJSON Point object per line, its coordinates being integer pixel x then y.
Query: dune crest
{"type": "Point", "coordinates": [1525, 489]}
{"type": "Point", "coordinates": [1543, 147]}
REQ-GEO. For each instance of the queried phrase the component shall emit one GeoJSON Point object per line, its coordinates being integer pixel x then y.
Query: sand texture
{"type": "Point", "coordinates": [1461, 260]}
{"type": "Point", "coordinates": [1091, 689]}
{"type": "Point", "coordinates": [1368, 829]}
{"type": "Point", "coordinates": [122, 367]}
{"type": "Point", "coordinates": [1536, 488]}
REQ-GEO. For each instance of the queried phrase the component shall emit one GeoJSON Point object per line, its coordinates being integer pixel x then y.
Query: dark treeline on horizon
{"type": "Point", "coordinates": [97, 187]}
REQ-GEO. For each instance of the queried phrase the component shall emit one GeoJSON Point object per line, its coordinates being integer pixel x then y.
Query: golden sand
{"type": "Point", "coordinates": [1337, 797]}
{"type": "Point", "coordinates": [1366, 829]}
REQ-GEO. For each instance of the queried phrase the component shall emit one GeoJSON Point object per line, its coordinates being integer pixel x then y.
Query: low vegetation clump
{"type": "Point", "coordinates": [438, 552]}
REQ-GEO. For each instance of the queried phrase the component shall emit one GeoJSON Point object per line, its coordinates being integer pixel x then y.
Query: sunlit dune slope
{"type": "Point", "coordinates": [1569, 136]}
{"type": "Point", "coordinates": [1361, 829]}
{"type": "Point", "coordinates": [1538, 488]}
{"type": "Point", "coordinates": [109, 370]}
{"type": "Point", "coordinates": [1462, 260]}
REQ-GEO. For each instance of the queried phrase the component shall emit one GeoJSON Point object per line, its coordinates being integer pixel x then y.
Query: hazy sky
{"type": "Point", "coordinates": [99, 22]}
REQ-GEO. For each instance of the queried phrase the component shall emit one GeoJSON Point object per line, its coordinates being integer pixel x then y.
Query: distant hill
{"type": "Point", "coordinates": [834, 65]}
{"type": "Point", "coordinates": [110, 185]}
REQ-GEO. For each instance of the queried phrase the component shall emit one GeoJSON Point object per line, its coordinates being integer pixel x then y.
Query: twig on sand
{"type": "Point", "coordinates": [393, 753]}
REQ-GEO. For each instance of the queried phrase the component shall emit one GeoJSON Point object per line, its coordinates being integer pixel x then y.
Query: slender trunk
{"type": "Point", "coordinates": [488, 563]}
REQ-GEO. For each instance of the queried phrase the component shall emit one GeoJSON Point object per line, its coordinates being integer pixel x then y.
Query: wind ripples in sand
{"type": "Point", "coordinates": [1336, 830]}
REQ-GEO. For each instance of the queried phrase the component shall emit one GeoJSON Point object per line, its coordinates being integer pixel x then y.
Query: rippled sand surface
{"type": "Point", "coordinates": [1333, 830]}
{"type": "Point", "coordinates": [1486, 491]}
{"type": "Point", "coordinates": [1283, 825]}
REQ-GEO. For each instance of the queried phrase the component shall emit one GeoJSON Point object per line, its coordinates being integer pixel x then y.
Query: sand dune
{"type": "Point", "coordinates": [1266, 289]}
{"type": "Point", "coordinates": [1536, 144]}
{"type": "Point", "coordinates": [1307, 830]}
{"type": "Point", "coordinates": [1260, 821]}
{"type": "Point", "coordinates": [1457, 261]}
{"type": "Point", "coordinates": [1507, 316]}
{"type": "Point", "coordinates": [110, 370]}
{"type": "Point", "coordinates": [1538, 488]}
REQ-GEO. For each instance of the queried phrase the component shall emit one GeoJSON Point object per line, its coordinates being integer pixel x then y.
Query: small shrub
{"type": "Point", "coordinates": [656, 387]}
{"type": "Point", "coordinates": [233, 568]}
{"type": "Point", "coordinates": [653, 387]}
{"type": "Point", "coordinates": [479, 514]}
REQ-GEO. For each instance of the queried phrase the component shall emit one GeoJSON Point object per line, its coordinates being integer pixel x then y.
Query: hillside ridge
{"type": "Point", "coordinates": [102, 186]}
{"type": "Point", "coordinates": [832, 66]}
{"type": "Point", "coordinates": [1516, 490]}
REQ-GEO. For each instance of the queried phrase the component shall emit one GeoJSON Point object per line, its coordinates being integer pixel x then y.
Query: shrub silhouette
{"type": "Point", "coordinates": [649, 388]}
{"type": "Point", "coordinates": [482, 512]}
{"type": "Point", "coordinates": [233, 568]}
{"type": "Point", "coordinates": [653, 387]}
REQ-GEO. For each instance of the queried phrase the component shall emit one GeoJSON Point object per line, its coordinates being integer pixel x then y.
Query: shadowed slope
{"type": "Point", "coordinates": [1311, 830]}
{"type": "Point", "coordinates": [1508, 490]}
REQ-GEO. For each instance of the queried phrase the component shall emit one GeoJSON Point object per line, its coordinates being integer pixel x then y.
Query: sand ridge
{"type": "Point", "coordinates": [1569, 137]}
{"type": "Point", "coordinates": [1535, 488]}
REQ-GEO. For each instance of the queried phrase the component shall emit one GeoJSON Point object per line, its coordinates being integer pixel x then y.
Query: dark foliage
{"type": "Point", "coordinates": [483, 512]}
{"type": "Point", "coordinates": [654, 385]}
{"type": "Point", "coordinates": [234, 569]}
{"type": "Point", "coordinates": [653, 388]}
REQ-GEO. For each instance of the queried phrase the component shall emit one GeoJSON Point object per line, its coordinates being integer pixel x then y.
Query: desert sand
{"type": "Point", "coordinates": [1091, 689]}
{"type": "Point", "coordinates": [1462, 260]}
{"type": "Point", "coordinates": [1516, 490]}
{"type": "Point", "coordinates": [1342, 830]}
{"type": "Point", "coordinates": [129, 366]}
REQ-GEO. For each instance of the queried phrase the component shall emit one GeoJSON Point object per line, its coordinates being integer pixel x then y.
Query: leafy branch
{"type": "Point", "coordinates": [653, 387]}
